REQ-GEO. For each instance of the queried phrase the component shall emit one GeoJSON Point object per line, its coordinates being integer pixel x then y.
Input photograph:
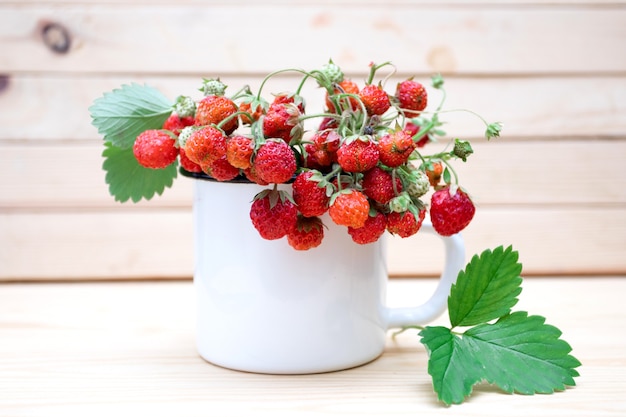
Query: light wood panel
{"type": "Point", "coordinates": [121, 349]}
{"type": "Point", "coordinates": [557, 173]}
{"type": "Point", "coordinates": [45, 107]}
{"type": "Point", "coordinates": [220, 37]}
{"type": "Point", "coordinates": [144, 243]}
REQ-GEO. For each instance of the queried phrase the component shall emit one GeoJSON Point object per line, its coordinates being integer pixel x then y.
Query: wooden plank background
{"type": "Point", "coordinates": [554, 72]}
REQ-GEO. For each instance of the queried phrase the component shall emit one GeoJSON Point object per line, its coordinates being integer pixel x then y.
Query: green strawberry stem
{"type": "Point", "coordinates": [374, 68]}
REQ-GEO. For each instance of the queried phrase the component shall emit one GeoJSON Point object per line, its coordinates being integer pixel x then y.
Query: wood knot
{"type": "Point", "coordinates": [4, 82]}
{"type": "Point", "coordinates": [56, 37]}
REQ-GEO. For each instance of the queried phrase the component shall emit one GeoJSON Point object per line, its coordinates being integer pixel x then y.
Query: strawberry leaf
{"type": "Point", "coordinates": [122, 114]}
{"type": "Point", "coordinates": [453, 368]}
{"type": "Point", "coordinates": [127, 179]}
{"type": "Point", "coordinates": [520, 353]}
{"type": "Point", "coordinates": [487, 289]}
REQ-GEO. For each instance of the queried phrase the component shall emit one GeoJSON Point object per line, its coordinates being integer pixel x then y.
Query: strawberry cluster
{"type": "Point", "coordinates": [363, 163]}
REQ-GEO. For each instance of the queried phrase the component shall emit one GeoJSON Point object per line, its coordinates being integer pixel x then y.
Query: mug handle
{"type": "Point", "coordinates": [437, 303]}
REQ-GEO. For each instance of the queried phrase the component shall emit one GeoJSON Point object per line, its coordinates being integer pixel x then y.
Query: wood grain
{"type": "Point", "coordinates": [107, 349]}
{"type": "Point", "coordinates": [481, 40]}
{"type": "Point", "coordinates": [530, 108]}
{"type": "Point", "coordinates": [158, 243]}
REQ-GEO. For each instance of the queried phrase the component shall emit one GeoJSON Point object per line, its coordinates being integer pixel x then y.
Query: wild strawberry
{"type": "Point", "coordinates": [413, 130]}
{"type": "Point", "coordinates": [404, 224]}
{"type": "Point", "coordinates": [175, 123]}
{"type": "Point", "coordinates": [205, 145]}
{"type": "Point", "coordinates": [239, 151]}
{"type": "Point", "coordinates": [221, 170]}
{"type": "Point", "coordinates": [275, 162]}
{"type": "Point", "coordinates": [451, 212]}
{"type": "Point", "coordinates": [349, 208]}
{"type": "Point", "coordinates": [347, 86]}
{"type": "Point", "coordinates": [434, 172]}
{"type": "Point", "coordinates": [378, 185]}
{"type": "Point", "coordinates": [359, 155]}
{"type": "Point", "coordinates": [323, 151]}
{"type": "Point", "coordinates": [395, 148]}
{"type": "Point", "coordinates": [272, 214]}
{"type": "Point", "coordinates": [187, 164]}
{"type": "Point", "coordinates": [251, 175]}
{"type": "Point", "coordinates": [328, 123]}
{"type": "Point", "coordinates": [288, 98]}
{"type": "Point", "coordinates": [155, 149]}
{"type": "Point", "coordinates": [375, 99]}
{"type": "Point", "coordinates": [254, 115]}
{"type": "Point", "coordinates": [213, 109]}
{"type": "Point", "coordinates": [282, 121]}
{"type": "Point", "coordinates": [411, 96]}
{"type": "Point", "coordinates": [307, 234]}
{"type": "Point", "coordinates": [371, 231]}
{"type": "Point", "coordinates": [310, 198]}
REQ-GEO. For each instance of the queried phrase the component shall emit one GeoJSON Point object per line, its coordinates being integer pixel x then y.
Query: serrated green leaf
{"type": "Point", "coordinates": [122, 114]}
{"type": "Point", "coordinates": [487, 288]}
{"type": "Point", "coordinates": [453, 368]}
{"type": "Point", "coordinates": [127, 179]}
{"type": "Point", "coordinates": [522, 354]}
{"type": "Point", "coordinates": [518, 353]}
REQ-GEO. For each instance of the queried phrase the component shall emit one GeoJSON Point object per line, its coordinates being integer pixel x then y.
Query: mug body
{"type": "Point", "coordinates": [265, 307]}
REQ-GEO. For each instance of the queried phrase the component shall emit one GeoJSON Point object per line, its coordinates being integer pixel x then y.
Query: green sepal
{"type": "Point", "coordinates": [128, 180]}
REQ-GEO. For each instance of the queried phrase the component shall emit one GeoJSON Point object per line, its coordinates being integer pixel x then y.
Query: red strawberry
{"type": "Point", "coordinates": [175, 123]}
{"type": "Point", "coordinates": [206, 145]}
{"type": "Point", "coordinates": [251, 175]}
{"type": "Point", "coordinates": [413, 129]}
{"type": "Point", "coordinates": [451, 213]}
{"type": "Point", "coordinates": [395, 148]}
{"type": "Point", "coordinates": [247, 107]}
{"type": "Point", "coordinates": [275, 162]}
{"type": "Point", "coordinates": [221, 170]}
{"type": "Point", "coordinates": [375, 99]}
{"type": "Point", "coordinates": [155, 149]}
{"type": "Point", "coordinates": [280, 121]}
{"type": "Point", "coordinates": [286, 98]}
{"type": "Point", "coordinates": [434, 173]}
{"type": "Point", "coordinates": [272, 214]}
{"type": "Point", "coordinates": [346, 103]}
{"type": "Point", "coordinates": [349, 208]}
{"type": "Point", "coordinates": [323, 151]}
{"type": "Point", "coordinates": [378, 185]}
{"type": "Point", "coordinates": [187, 164]}
{"type": "Point", "coordinates": [412, 96]}
{"type": "Point", "coordinates": [371, 231]}
{"type": "Point", "coordinates": [358, 155]}
{"type": "Point", "coordinates": [309, 197]}
{"type": "Point", "coordinates": [404, 224]}
{"type": "Point", "coordinates": [239, 151]}
{"type": "Point", "coordinates": [213, 109]}
{"type": "Point", "coordinates": [307, 234]}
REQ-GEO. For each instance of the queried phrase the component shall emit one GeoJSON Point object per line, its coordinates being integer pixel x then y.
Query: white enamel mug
{"type": "Point", "coordinates": [264, 307]}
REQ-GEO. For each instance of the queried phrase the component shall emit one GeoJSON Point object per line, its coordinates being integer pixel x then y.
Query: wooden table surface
{"type": "Point", "coordinates": [128, 349]}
